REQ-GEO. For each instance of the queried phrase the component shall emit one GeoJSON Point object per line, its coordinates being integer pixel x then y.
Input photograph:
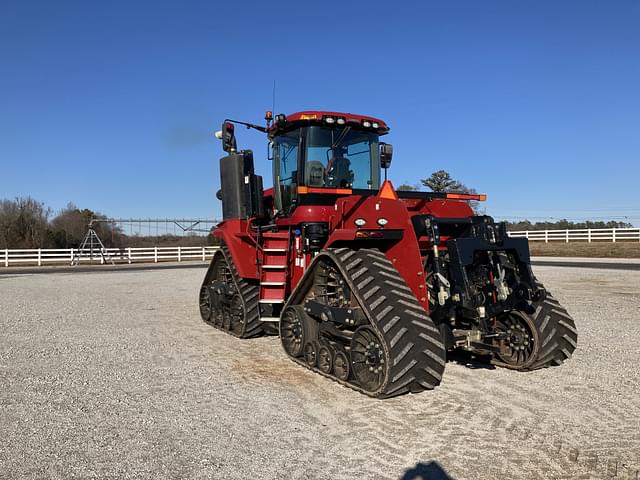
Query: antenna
{"type": "Point", "coordinates": [273, 99]}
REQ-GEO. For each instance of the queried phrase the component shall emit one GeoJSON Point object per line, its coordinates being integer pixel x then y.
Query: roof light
{"type": "Point", "coordinates": [366, 123]}
{"type": "Point", "coordinates": [330, 120]}
{"type": "Point", "coordinates": [341, 121]}
{"type": "Point", "coordinates": [360, 222]}
{"type": "Point", "coordinates": [375, 124]}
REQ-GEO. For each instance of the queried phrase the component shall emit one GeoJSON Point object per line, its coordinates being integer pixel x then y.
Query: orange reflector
{"type": "Point", "coordinates": [361, 234]}
{"type": "Point", "coordinates": [467, 196]}
{"type": "Point", "coordinates": [387, 191]}
{"type": "Point", "coordinates": [335, 191]}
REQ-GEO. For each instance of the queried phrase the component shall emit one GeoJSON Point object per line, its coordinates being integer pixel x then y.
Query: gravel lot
{"type": "Point", "coordinates": [113, 375]}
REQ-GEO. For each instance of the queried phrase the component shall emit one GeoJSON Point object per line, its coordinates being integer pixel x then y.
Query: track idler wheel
{"type": "Point", "coordinates": [205, 303]}
{"type": "Point", "coordinates": [548, 325]}
{"type": "Point", "coordinates": [325, 358]}
{"type": "Point", "coordinates": [296, 329]}
{"type": "Point", "coordinates": [522, 340]}
{"type": "Point", "coordinates": [368, 359]}
{"type": "Point", "coordinates": [341, 367]}
{"type": "Point", "coordinates": [236, 315]}
{"type": "Point", "coordinates": [310, 351]}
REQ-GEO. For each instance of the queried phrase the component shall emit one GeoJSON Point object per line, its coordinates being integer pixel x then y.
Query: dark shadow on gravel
{"type": "Point", "coordinates": [426, 471]}
{"type": "Point", "coordinates": [469, 360]}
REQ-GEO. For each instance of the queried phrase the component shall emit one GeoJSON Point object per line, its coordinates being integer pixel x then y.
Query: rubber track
{"type": "Point", "coordinates": [249, 292]}
{"type": "Point", "coordinates": [411, 341]}
{"type": "Point", "coordinates": [557, 332]}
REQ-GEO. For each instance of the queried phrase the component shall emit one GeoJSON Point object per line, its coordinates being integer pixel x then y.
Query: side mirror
{"type": "Point", "coordinates": [228, 137]}
{"type": "Point", "coordinates": [386, 152]}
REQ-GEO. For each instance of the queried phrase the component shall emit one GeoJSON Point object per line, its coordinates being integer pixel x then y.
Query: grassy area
{"type": "Point", "coordinates": [584, 249]}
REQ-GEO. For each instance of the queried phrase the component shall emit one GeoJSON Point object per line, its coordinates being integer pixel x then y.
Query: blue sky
{"type": "Point", "coordinates": [112, 105]}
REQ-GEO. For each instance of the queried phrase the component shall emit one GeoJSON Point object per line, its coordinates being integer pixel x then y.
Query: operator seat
{"type": "Point", "coordinates": [339, 174]}
{"type": "Point", "coordinates": [314, 174]}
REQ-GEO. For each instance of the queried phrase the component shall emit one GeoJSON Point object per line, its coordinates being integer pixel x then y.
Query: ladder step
{"type": "Point", "coordinates": [270, 300]}
{"type": "Point", "coordinates": [269, 319]}
{"type": "Point", "coordinates": [275, 250]}
{"type": "Point", "coordinates": [273, 267]}
{"type": "Point", "coordinates": [273, 284]}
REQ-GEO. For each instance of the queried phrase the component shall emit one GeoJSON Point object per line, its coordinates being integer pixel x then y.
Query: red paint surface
{"type": "Point", "coordinates": [403, 253]}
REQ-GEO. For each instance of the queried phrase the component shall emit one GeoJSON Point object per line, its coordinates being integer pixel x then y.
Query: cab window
{"type": "Point", "coordinates": [285, 164]}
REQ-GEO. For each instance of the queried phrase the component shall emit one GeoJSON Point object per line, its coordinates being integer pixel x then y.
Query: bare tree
{"type": "Point", "coordinates": [23, 223]}
{"type": "Point", "coordinates": [70, 226]}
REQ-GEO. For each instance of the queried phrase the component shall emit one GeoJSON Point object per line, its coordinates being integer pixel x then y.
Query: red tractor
{"type": "Point", "coordinates": [366, 285]}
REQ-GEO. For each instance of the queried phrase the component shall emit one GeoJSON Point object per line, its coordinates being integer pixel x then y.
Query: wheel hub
{"type": "Point", "coordinates": [374, 357]}
{"type": "Point", "coordinates": [518, 337]}
{"type": "Point", "coordinates": [368, 359]}
{"type": "Point", "coordinates": [519, 340]}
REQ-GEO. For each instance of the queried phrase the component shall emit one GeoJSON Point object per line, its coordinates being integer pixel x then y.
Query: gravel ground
{"type": "Point", "coordinates": [113, 375]}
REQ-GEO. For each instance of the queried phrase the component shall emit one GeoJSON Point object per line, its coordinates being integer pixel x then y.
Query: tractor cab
{"type": "Point", "coordinates": [317, 156]}
{"type": "Point", "coordinates": [323, 153]}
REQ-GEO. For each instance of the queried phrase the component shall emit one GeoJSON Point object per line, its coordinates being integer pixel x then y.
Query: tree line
{"type": "Point", "coordinates": [564, 224]}
{"type": "Point", "coordinates": [28, 223]}
{"type": "Point", "coordinates": [441, 181]}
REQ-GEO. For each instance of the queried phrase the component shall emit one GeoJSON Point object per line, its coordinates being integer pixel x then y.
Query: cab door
{"type": "Point", "coordinates": [286, 161]}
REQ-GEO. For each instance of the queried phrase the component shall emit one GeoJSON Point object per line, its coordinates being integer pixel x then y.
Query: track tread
{"type": "Point", "coordinates": [249, 292]}
{"type": "Point", "coordinates": [414, 350]}
{"type": "Point", "coordinates": [558, 330]}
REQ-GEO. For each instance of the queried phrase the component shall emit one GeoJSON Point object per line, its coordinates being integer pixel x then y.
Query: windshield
{"type": "Point", "coordinates": [341, 158]}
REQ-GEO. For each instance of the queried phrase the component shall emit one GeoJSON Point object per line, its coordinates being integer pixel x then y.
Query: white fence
{"type": "Point", "coordinates": [50, 256]}
{"type": "Point", "coordinates": [581, 235]}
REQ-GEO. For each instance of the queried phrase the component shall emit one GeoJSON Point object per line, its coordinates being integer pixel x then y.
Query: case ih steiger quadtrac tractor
{"type": "Point", "coordinates": [366, 285]}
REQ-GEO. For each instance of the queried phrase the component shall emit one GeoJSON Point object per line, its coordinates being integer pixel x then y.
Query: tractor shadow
{"type": "Point", "coordinates": [426, 471]}
{"type": "Point", "coordinates": [470, 360]}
